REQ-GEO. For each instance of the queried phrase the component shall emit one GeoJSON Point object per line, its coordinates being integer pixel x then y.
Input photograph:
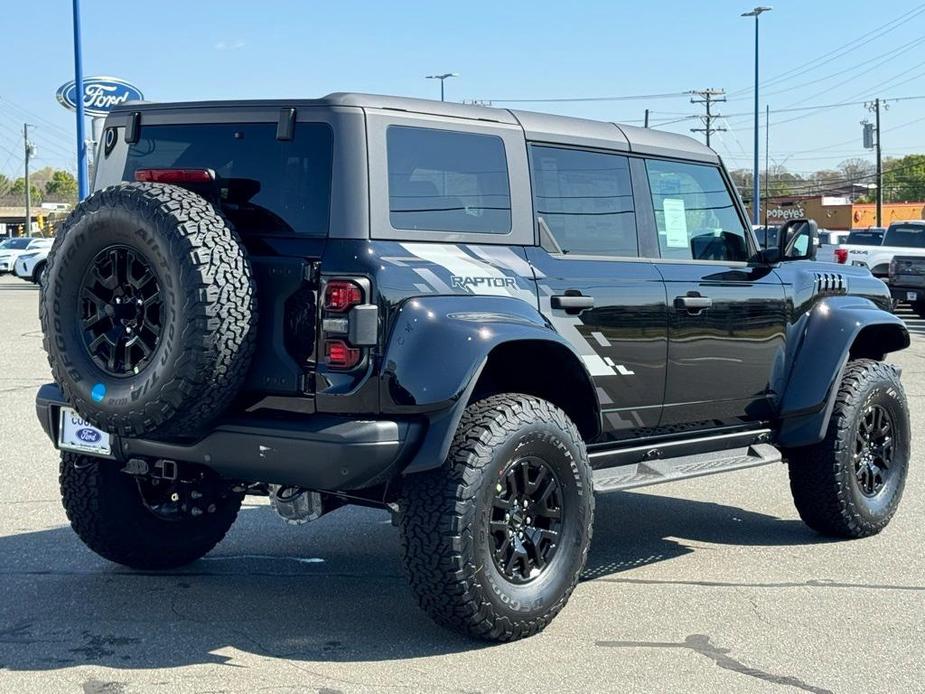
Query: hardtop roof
{"type": "Point", "coordinates": [537, 126]}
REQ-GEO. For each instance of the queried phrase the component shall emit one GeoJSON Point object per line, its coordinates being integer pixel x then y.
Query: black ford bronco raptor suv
{"type": "Point", "coordinates": [473, 317]}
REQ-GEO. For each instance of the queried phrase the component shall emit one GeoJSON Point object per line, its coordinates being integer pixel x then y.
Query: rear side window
{"type": "Point", "coordinates": [905, 235]}
{"type": "Point", "coordinates": [265, 185]}
{"type": "Point", "coordinates": [695, 213]}
{"type": "Point", "coordinates": [585, 201]}
{"type": "Point", "coordinates": [442, 180]}
{"type": "Point", "coordinates": [865, 238]}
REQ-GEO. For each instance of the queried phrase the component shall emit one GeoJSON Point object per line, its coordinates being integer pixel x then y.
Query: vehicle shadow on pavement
{"type": "Point", "coordinates": [329, 591]}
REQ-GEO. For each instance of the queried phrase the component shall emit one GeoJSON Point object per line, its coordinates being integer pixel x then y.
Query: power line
{"type": "Point", "coordinates": [576, 99]}
{"type": "Point", "coordinates": [837, 52]}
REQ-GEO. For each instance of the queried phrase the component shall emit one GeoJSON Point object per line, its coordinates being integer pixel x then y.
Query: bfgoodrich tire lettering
{"type": "Point", "coordinates": [448, 543]}
{"type": "Point", "coordinates": [207, 300]}
{"type": "Point", "coordinates": [831, 484]}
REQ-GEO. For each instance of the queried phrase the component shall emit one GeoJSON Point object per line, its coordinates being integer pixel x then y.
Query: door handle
{"type": "Point", "coordinates": [693, 303]}
{"type": "Point", "coordinates": [572, 303]}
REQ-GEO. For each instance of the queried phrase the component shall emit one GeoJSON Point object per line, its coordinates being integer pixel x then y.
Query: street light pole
{"type": "Point", "coordinates": [83, 188]}
{"type": "Point", "coordinates": [756, 187]}
{"type": "Point", "coordinates": [442, 77]}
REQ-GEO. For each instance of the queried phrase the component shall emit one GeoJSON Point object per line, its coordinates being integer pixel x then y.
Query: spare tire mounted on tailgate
{"type": "Point", "coordinates": [148, 310]}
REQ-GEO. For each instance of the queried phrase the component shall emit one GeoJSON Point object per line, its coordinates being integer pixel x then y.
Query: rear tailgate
{"type": "Point", "coordinates": [274, 188]}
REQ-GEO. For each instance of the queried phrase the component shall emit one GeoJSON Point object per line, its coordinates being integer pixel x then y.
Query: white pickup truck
{"type": "Point", "coordinates": [901, 238]}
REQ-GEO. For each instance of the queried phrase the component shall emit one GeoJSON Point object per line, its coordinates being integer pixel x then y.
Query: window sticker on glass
{"type": "Point", "coordinates": [675, 223]}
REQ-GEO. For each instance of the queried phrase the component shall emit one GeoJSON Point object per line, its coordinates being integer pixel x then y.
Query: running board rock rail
{"type": "Point", "coordinates": [683, 467]}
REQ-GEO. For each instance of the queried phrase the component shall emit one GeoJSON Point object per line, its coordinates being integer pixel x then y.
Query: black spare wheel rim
{"type": "Point", "coordinates": [526, 520]}
{"type": "Point", "coordinates": [121, 311]}
{"type": "Point", "coordinates": [874, 450]}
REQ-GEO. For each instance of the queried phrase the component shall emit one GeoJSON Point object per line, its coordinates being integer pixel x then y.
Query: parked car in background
{"type": "Point", "coordinates": [907, 281]}
{"type": "Point", "coordinates": [31, 264]}
{"type": "Point", "coordinates": [15, 247]}
{"type": "Point", "coordinates": [828, 242]}
{"type": "Point", "coordinates": [872, 236]}
{"type": "Point", "coordinates": [906, 238]}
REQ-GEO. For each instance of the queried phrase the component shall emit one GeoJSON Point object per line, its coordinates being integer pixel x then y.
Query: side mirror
{"type": "Point", "coordinates": [798, 240]}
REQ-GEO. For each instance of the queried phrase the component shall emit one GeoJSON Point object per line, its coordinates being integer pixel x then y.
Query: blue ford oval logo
{"type": "Point", "coordinates": [101, 94]}
{"type": "Point", "coordinates": [88, 435]}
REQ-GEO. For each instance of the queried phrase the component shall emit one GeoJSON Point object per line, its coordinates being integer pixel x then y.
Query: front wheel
{"type": "Point", "coordinates": [494, 541]}
{"type": "Point", "coordinates": [145, 523]}
{"type": "Point", "coordinates": [850, 484]}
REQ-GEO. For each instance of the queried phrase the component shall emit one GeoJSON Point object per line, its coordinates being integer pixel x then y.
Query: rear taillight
{"type": "Point", "coordinates": [342, 295]}
{"type": "Point", "coordinates": [174, 175]}
{"type": "Point", "coordinates": [841, 255]}
{"type": "Point", "coordinates": [349, 323]}
{"type": "Point", "coordinates": [340, 355]}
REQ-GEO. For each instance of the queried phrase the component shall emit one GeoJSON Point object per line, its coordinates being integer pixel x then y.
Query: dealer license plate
{"type": "Point", "coordinates": [74, 434]}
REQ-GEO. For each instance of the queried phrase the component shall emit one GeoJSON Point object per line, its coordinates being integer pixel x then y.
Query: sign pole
{"type": "Point", "coordinates": [83, 188]}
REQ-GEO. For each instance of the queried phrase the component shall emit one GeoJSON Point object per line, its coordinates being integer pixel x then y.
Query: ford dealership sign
{"type": "Point", "coordinates": [100, 95]}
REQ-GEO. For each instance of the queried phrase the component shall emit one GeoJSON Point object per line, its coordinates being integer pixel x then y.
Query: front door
{"type": "Point", "coordinates": [593, 285]}
{"type": "Point", "coordinates": [726, 315]}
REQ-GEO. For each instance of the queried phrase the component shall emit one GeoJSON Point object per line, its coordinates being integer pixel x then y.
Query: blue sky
{"type": "Point", "coordinates": [223, 49]}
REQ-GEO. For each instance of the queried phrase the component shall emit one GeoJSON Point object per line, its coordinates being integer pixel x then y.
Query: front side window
{"type": "Point", "coordinates": [443, 180]}
{"type": "Point", "coordinates": [695, 213]}
{"type": "Point", "coordinates": [584, 200]}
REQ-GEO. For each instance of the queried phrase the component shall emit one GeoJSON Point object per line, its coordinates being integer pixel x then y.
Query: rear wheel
{"type": "Point", "coordinates": [141, 522]}
{"type": "Point", "coordinates": [494, 541]}
{"type": "Point", "coordinates": [850, 484]}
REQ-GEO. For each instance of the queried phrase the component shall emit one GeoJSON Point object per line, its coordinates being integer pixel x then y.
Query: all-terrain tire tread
{"type": "Point", "coordinates": [219, 339]}
{"type": "Point", "coordinates": [438, 514]}
{"type": "Point", "coordinates": [817, 480]}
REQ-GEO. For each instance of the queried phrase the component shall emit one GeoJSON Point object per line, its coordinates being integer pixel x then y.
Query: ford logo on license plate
{"type": "Point", "coordinates": [88, 435]}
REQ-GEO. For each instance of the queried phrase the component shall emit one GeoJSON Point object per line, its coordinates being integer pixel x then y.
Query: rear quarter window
{"type": "Point", "coordinates": [266, 185]}
{"type": "Point", "coordinates": [905, 235]}
{"type": "Point", "coordinates": [445, 180]}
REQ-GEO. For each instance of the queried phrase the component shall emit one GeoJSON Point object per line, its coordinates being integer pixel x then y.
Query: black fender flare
{"type": "Point", "coordinates": [824, 339]}
{"type": "Point", "coordinates": [438, 348]}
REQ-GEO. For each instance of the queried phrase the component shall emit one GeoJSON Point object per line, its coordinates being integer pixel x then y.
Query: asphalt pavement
{"type": "Point", "coordinates": [708, 585]}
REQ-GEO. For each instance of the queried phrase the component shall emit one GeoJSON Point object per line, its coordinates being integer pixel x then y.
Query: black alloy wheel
{"type": "Point", "coordinates": [121, 311]}
{"type": "Point", "coordinates": [526, 520]}
{"type": "Point", "coordinates": [873, 450]}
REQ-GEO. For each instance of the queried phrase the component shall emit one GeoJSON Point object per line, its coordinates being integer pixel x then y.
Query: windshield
{"type": "Point", "coordinates": [266, 185]}
{"type": "Point", "coordinates": [16, 244]}
{"type": "Point", "coordinates": [905, 235]}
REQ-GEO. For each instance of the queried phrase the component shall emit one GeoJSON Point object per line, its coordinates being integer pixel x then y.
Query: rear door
{"type": "Point", "coordinates": [727, 315]}
{"type": "Point", "coordinates": [594, 286]}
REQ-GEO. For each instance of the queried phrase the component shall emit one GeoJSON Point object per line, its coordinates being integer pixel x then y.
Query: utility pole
{"type": "Point", "coordinates": [708, 97]}
{"type": "Point", "coordinates": [646, 125]}
{"type": "Point", "coordinates": [874, 106]}
{"type": "Point", "coordinates": [30, 150]}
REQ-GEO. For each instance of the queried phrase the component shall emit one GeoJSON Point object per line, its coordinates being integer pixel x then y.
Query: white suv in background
{"type": "Point", "coordinates": [31, 264]}
{"type": "Point", "coordinates": [12, 248]}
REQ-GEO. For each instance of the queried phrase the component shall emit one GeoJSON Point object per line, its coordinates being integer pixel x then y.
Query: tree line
{"type": "Point", "coordinates": [46, 185]}
{"type": "Point", "coordinates": [903, 180]}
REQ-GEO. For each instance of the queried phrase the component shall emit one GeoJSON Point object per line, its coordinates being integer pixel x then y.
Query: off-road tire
{"type": "Point", "coordinates": [106, 511]}
{"type": "Point", "coordinates": [445, 543]}
{"type": "Point", "coordinates": [209, 310]}
{"type": "Point", "coordinates": [823, 480]}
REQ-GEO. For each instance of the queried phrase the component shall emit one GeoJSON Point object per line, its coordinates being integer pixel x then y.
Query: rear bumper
{"type": "Point", "coordinates": [908, 292]}
{"type": "Point", "coordinates": [322, 452]}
